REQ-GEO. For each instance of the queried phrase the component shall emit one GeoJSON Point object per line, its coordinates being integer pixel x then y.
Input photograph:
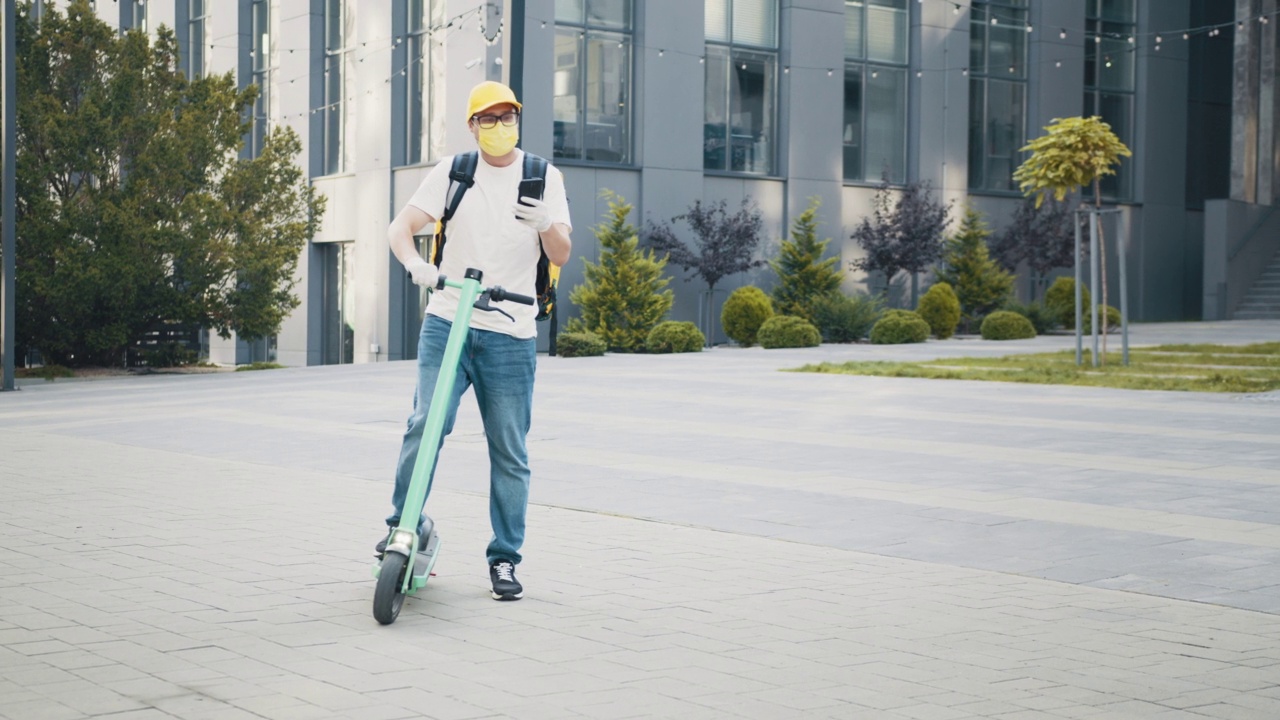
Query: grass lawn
{"type": "Point", "coordinates": [1200, 368]}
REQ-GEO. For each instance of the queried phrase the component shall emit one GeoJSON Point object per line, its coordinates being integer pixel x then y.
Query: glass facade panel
{"type": "Point", "coordinates": [614, 14]}
{"type": "Point", "coordinates": [1110, 78]}
{"type": "Point", "coordinates": [260, 43]}
{"type": "Point", "coordinates": [591, 103]}
{"type": "Point", "coordinates": [569, 11]}
{"type": "Point", "coordinates": [886, 25]}
{"type": "Point", "coordinates": [852, 133]}
{"type": "Point", "coordinates": [715, 129]}
{"type": "Point", "coordinates": [875, 93]}
{"type": "Point", "coordinates": [739, 131]}
{"type": "Point", "coordinates": [195, 39]}
{"type": "Point", "coordinates": [755, 22]}
{"type": "Point", "coordinates": [997, 92]}
{"type": "Point", "coordinates": [751, 112]}
{"type": "Point", "coordinates": [716, 20]}
{"type": "Point", "coordinates": [339, 303]}
{"type": "Point", "coordinates": [854, 47]}
{"type": "Point", "coordinates": [334, 110]}
{"type": "Point", "coordinates": [423, 81]}
{"type": "Point", "coordinates": [886, 122]}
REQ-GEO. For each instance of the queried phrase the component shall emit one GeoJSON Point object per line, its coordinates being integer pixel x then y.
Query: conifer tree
{"type": "Point", "coordinates": [625, 295]}
{"type": "Point", "coordinates": [979, 282]}
{"type": "Point", "coordinates": [803, 276]}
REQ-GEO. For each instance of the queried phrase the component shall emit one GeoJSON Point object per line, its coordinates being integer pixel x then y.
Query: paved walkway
{"type": "Point", "coordinates": [709, 538]}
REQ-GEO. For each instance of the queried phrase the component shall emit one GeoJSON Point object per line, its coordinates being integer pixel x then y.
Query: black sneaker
{"type": "Point", "coordinates": [381, 548]}
{"type": "Point", "coordinates": [505, 585]}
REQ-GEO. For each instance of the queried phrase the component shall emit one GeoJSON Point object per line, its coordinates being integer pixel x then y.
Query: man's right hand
{"type": "Point", "coordinates": [424, 274]}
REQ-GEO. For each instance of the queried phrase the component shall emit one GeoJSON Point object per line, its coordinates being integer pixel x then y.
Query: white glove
{"type": "Point", "coordinates": [534, 213]}
{"type": "Point", "coordinates": [424, 273]}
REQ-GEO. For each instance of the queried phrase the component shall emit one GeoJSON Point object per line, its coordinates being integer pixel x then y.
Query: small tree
{"type": "Point", "coordinates": [134, 207]}
{"type": "Point", "coordinates": [625, 295]}
{"type": "Point", "coordinates": [1042, 237]}
{"type": "Point", "coordinates": [979, 282]}
{"type": "Point", "coordinates": [803, 276]}
{"type": "Point", "coordinates": [906, 236]}
{"type": "Point", "coordinates": [1076, 152]}
{"type": "Point", "coordinates": [725, 243]}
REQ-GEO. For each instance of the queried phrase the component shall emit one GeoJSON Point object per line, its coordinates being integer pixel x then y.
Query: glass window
{"type": "Point", "coordinates": [196, 18]}
{"type": "Point", "coordinates": [423, 82]}
{"type": "Point", "coordinates": [334, 108]}
{"type": "Point", "coordinates": [133, 15]}
{"type": "Point", "coordinates": [997, 92]}
{"type": "Point", "coordinates": [339, 303]}
{"type": "Point", "coordinates": [260, 52]}
{"type": "Point", "coordinates": [739, 130]}
{"type": "Point", "coordinates": [1110, 78]}
{"type": "Point", "coordinates": [591, 105]}
{"type": "Point", "coordinates": [875, 90]}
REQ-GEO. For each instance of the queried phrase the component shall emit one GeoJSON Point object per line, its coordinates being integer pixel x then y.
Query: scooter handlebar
{"type": "Point", "coordinates": [497, 293]}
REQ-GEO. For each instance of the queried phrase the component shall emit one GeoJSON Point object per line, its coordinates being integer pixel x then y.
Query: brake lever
{"type": "Point", "coordinates": [482, 303]}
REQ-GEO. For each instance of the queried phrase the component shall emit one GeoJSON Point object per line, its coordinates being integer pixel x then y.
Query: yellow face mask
{"type": "Point", "coordinates": [499, 139]}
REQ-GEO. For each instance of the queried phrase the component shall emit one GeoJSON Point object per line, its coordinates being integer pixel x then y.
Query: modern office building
{"type": "Point", "coordinates": [776, 101]}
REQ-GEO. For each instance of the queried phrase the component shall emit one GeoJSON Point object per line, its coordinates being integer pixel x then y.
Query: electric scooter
{"type": "Point", "coordinates": [406, 564]}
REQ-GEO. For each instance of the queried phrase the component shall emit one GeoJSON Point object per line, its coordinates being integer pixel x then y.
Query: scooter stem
{"type": "Point", "coordinates": [420, 483]}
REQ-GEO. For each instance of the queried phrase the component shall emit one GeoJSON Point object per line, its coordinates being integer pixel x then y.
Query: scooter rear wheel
{"type": "Point", "coordinates": [388, 598]}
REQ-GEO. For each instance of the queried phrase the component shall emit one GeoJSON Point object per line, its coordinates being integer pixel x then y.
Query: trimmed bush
{"type": "Point", "coordinates": [675, 337]}
{"type": "Point", "coordinates": [580, 344]}
{"type": "Point", "coordinates": [787, 331]}
{"type": "Point", "coordinates": [898, 327]}
{"type": "Point", "coordinates": [1041, 317]}
{"type": "Point", "coordinates": [941, 309]}
{"type": "Point", "coordinates": [844, 318]}
{"type": "Point", "coordinates": [1060, 300]}
{"type": "Point", "coordinates": [1006, 325]}
{"type": "Point", "coordinates": [1112, 315]}
{"type": "Point", "coordinates": [744, 312]}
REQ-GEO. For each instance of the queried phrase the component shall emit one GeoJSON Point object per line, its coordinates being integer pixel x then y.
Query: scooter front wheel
{"type": "Point", "coordinates": [388, 598]}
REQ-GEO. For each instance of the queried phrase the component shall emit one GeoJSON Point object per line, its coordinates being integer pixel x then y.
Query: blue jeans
{"type": "Point", "coordinates": [500, 368]}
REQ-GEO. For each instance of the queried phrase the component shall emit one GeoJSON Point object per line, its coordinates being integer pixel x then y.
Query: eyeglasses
{"type": "Point", "coordinates": [491, 121]}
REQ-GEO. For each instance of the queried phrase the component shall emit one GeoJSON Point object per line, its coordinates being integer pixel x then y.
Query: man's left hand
{"type": "Point", "coordinates": [534, 213]}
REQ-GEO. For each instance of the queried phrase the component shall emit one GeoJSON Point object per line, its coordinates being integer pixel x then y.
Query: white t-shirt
{"type": "Point", "coordinates": [485, 234]}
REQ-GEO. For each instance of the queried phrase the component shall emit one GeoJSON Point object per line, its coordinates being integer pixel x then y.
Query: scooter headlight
{"type": "Point", "coordinates": [401, 540]}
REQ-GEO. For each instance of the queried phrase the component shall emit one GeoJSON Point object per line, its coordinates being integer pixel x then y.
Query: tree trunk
{"type": "Point", "coordinates": [1102, 259]}
{"type": "Point", "coordinates": [915, 290]}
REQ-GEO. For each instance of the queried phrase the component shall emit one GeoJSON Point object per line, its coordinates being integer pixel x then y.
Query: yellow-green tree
{"type": "Point", "coordinates": [1076, 152]}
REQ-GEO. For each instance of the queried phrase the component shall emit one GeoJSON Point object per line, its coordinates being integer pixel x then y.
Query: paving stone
{"type": "Point", "coordinates": [708, 538]}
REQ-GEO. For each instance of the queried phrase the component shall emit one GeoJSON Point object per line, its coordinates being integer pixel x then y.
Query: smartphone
{"type": "Point", "coordinates": [531, 187]}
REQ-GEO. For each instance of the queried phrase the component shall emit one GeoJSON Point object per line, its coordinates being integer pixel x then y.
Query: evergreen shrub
{"type": "Point", "coordinates": [940, 307]}
{"type": "Point", "coordinates": [1112, 315]}
{"type": "Point", "coordinates": [675, 337]}
{"type": "Point", "coordinates": [625, 295]}
{"type": "Point", "coordinates": [898, 327]}
{"type": "Point", "coordinates": [844, 318]}
{"type": "Point", "coordinates": [580, 344]}
{"type": "Point", "coordinates": [1042, 318]}
{"type": "Point", "coordinates": [1060, 300]}
{"type": "Point", "coordinates": [744, 312]}
{"type": "Point", "coordinates": [1006, 325]}
{"type": "Point", "coordinates": [788, 331]}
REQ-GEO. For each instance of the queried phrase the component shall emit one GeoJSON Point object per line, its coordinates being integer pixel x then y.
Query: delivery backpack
{"type": "Point", "coordinates": [462, 176]}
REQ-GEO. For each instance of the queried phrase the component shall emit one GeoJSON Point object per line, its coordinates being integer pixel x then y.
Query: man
{"type": "Point", "coordinates": [492, 232]}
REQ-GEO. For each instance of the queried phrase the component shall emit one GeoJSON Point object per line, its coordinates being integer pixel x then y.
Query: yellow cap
{"type": "Point", "coordinates": [487, 94]}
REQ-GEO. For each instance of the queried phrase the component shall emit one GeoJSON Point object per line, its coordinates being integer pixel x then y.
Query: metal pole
{"type": "Point", "coordinates": [1122, 238]}
{"type": "Point", "coordinates": [8, 202]}
{"type": "Point", "coordinates": [1093, 283]}
{"type": "Point", "coordinates": [1079, 298]}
